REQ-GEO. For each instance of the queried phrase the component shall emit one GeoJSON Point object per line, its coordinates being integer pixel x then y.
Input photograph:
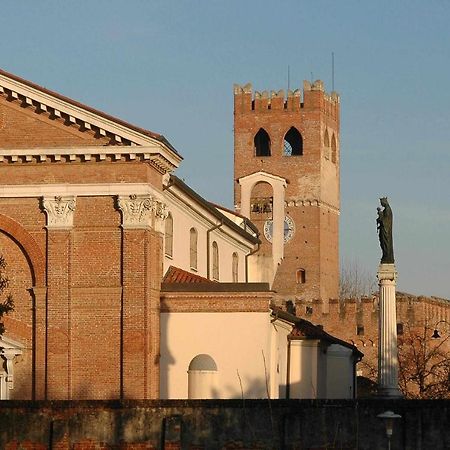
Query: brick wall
{"type": "Point", "coordinates": [226, 424]}
{"type": "Point", "coordinates": [313, 180]}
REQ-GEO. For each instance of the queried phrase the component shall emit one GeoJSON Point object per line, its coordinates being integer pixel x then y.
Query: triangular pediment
{"type": "Point", "coordinates": [7, 343]}
{"type": "Point", "coordinates": [65, 122]}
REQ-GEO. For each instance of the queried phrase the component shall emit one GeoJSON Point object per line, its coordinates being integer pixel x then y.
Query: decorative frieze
{"type": "Point", "coordinates": [60, 211]}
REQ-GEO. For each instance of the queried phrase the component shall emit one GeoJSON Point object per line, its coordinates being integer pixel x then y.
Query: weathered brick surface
{"type": "Point", "coordinates": [87, 298]}
{"type": "Point", "coordinates": [313, 179]}
{"type": "Point", "coordinates": [226, 424]}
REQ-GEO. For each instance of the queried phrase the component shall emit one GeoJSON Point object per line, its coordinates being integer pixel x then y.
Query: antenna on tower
{"type": "Point", "coordinates": [289, 78]}
{"type": "Point", "coordinates": [312, 78]}
{"type": "Point", "coordinates": [332, 71]}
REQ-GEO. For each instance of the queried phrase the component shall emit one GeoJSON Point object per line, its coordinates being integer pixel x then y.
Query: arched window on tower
{"type": "Point", "coordinates": [168, 236]}
{"type": "Point", "coordinates": [333, 149]}
{"type": "Point", "coordinates": [326, 144]}
{"type": "Point", "coordinates": [215, 261]}
{"type": "Point", "coordinates": [293, 143]}
{"type": "Point", "coordinates": [262, 143]}
{"type": "Point", "coordinates": [235, 267]}
{"type": "Point", "coordinates": [193, 248]}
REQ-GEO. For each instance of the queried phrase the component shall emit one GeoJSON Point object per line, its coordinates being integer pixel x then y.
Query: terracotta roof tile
{"type": "Point", "coordinates": [177, 275]}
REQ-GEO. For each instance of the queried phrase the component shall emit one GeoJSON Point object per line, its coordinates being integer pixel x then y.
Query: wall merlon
{"type": "Point", "coordinates": [314, 96]}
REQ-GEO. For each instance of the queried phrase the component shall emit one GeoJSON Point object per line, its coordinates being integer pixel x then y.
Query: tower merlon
{"type": "Point", "coordinates": [314, 96]}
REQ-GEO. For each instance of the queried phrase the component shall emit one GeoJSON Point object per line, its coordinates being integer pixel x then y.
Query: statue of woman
{"type": "Point", "coordinates": [384, 227]}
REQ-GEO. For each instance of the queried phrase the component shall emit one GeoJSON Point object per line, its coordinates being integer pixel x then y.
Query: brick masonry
{"type": "Point", "coordinates": [86, 296]}
{"type": "Point", "coordinates": [312, 193]}
{"type": "Point", "coordinates": [222, 424]}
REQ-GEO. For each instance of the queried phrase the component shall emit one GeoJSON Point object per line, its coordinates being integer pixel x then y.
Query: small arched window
{"type": "Point", "coordinates": [193, 248]}
{"type": "Point", "coordinates": [262, 143]}
{"type": "Point", "coordinates": [235, 267]}
{"type": "Point", "coordinates": [293, 143]}
{"type": "Point", "coordinates": [168, 236]}
{"type": "Point", "coordinates": [333, 149]}
{"type": "Point", "coordinates": [215, 261]}
{"type": "Point", "coordinates": [300, 276]}
{"type": "Point", "coordinates": [326, 144]}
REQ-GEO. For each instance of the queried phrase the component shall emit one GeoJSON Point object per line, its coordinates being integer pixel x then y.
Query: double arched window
{"type": "Point", "coordinates": [168, 236]}
{"type": "Point", "coordinates": [293, 143]}
{"type": "Point", "coordinates": [193, 237]}
{"type": "Point", "coordinates": [262, 143]}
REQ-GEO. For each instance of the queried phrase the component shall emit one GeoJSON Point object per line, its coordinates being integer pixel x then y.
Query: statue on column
{"type": "Point", "coordinates": [384, 227]}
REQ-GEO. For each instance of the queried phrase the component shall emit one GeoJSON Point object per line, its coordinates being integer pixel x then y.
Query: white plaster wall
{"type": "Point", "coordinates": [184, 219]}
{"type": "Point", "coordinates": [279, 345]}
{"type": "Point", "coordinates": [339, 372]}
{"type": "Point", "coordinates": [304, 363]}
{"type": "Point", "coordinates": [236, 342]}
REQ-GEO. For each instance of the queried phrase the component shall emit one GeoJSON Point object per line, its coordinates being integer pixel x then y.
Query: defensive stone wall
{"type": "Point", "coordinates": [225, 424]}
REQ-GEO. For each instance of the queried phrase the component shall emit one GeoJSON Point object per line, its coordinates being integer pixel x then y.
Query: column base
{"type": "Point", "coordinates": [388, 392]}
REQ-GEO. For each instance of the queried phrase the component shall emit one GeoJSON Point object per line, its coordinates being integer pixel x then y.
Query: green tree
{"type": "Point", "coordinates": [7, 305]}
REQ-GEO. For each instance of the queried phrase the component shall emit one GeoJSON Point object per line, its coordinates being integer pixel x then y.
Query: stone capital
{"type": "Point", "coordinates": [387, 272]}
{"type": "Point", "coordinates": [161, 213]}
{"type": "Point", "coordinates": [60, 211]}
{"type": "Point", "coordinates": [136, 210]}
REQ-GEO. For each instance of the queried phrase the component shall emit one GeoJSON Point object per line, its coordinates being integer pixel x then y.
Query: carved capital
{"type": "Point", "coordinates": [161, 213]}
{"type": "Point", "coordinates": [136, 210]}
{"type": "Point", "coordinates": [60, 211]}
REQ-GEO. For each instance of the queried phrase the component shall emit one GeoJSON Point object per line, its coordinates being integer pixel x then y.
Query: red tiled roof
{"type": "Point", "coordinates": [177, 275]}
{"type": "Point", "coordinates": [121, 122]}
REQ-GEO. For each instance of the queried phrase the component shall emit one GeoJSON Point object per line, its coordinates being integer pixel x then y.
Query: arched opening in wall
{"type": "Point", "coordinates": [333, 149]}
{"type": "Point", "coordinates": [168, 236]}
{"type": "Point", "coordinates": [17, 375]}
{"type": "Point", "coordinates": [293, 143]}
{"type": "Point", "coordinates": [262, 143]}
{"type": "Point", "coordinates": [326, 144]}
{"type": "Point", "coordinates": [262, 199]}
{"type": "Point", "coordinates": [300, 276]}
{"type": "Point", "coordinates": [235, 267]}
{"type": "Point", "coordinates": [215, 261]}
{"type": "Point", "coordinates": [193, 237]}
{"type": "Point", "coordinates": [202, 377]}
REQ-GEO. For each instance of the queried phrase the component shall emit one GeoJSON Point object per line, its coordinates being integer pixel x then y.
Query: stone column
{"type": "Point", "coordinates": [60, 213]}
{"type": "Point", "coordinates": [387, 333]}
{"type": "Point", "coordinates": [141, 275]}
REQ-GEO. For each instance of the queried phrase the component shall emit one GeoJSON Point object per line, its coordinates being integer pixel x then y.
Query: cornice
{"type": "Point", "coordinates": [96, 153]}
{"type": "Point", "coordinates": [298, 202]}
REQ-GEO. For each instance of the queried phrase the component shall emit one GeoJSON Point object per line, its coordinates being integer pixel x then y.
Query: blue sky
{"type": "Point", "coordinates": [169, 66]}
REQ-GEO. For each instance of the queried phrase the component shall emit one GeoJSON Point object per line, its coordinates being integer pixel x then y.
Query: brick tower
{"type": "Point", "coordinates": [286, 168]}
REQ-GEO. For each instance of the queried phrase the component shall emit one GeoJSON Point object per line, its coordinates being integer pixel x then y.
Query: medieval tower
{"type": "Point", "coordinates": [286, 169]}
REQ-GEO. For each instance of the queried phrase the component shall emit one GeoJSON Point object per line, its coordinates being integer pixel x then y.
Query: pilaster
{"type": "Point", "coordinates": [142, 222]}
{"type": "Point", "coordinates": [40, 349]}
{"type": "Point", "coordinates": [60, 213]}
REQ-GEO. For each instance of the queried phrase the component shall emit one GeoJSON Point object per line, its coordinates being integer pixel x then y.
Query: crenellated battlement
{"type": "Point", "coordinates": [314, 96]}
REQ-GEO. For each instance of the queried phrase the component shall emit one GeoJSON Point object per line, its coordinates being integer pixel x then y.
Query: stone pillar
{"type": "Point", "coordinates": [60, 213]}
{"type": "Point", "coordinates": [387, 333]}
{"type": "Point", "coordinates": [141, 275]}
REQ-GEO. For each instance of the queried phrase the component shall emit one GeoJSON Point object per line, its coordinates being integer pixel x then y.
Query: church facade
{"type": "Point", "coordinates": [127, 283]}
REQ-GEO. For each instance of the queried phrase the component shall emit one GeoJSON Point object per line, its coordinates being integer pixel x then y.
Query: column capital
{"type": "Point", "coordinates": [136, 210]}
{"type": "Point", "coordinates": [60, 211]}
{"type": "Point", "coordinates": [387, 272]}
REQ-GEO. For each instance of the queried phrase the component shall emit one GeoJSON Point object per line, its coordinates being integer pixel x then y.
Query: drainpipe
{"type": "Point", "coordinates": [208, 257]}
{"type": "Point", "coordinates": [246, 260]}
{"type": "Point", "coordinates": [288, 370]}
